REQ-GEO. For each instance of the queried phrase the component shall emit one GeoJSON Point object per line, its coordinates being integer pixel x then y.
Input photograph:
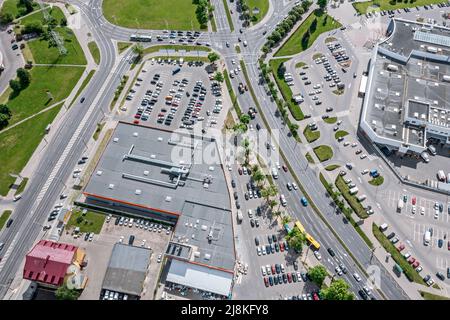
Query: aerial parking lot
{"type": "Point", "coordinates": [171, 94]}
{"type": "Point", "coordinates": [98, 248]}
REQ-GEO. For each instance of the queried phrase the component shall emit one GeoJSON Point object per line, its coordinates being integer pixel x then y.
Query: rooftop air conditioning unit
{"type": "Point", "coordinates": [138, 191]}
{"type": "Point", "coordinates": [116, 139]}
{"type": "Point", "coordinates": [135, 134]}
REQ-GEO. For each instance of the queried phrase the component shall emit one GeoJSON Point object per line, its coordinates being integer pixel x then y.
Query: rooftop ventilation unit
{"type": "Point", "coordinates": [392, 67]}
{"type": "Point", "coordinates": [135, 134]}
{"type": "Point", "coordinates": [211, 168]}
{"type": "Point", "coordinates": [204, 227]}
{"type": "Point", "coordinates": [138, 191]}
{"type": "Point", "coordinates": [446, 78]}
{"type": "Point", "coordinates": [168, 199]}
{"type": "Point", "coordinates": [99, 172]}
{"type": "Point", "coordinates": [416, 115]}
{"type": "Point", "coordinates": [197, 254]}
{"type": "Point", "coordinates": [116, 139]}
{"type": "Point", "coordinates": [193, 236]}
{"type": "Point", "coordinates": [207, 256]}
{"type": "Point", "coordinates": [160, 139]}
{"type": "Point", "coordinates": [111, 186]}
{"type": "Point", "coordinates": [152, 156]}
{"type": "Point", "coordinates": [146, 173]}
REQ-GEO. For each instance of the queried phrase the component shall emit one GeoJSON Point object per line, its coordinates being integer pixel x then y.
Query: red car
{"type": "Point", "coordinates": [240, 171]}
{"type": "Point", "coordinates": [401, 247]}
{"type": "Point", "coordinates": [289, 276]}
{"type": "Point", "coordinates": [411, 260]}
{"type": "Point", "coordinates": [281, 246]}
{"type": "Point", "coordinates": [266, 281]}
{"type": "Point", "coordinates": [273, 269]}
{"type": "Point", "coordinates": [136, 121]}
{"type": "Point", "coordinates": [413, 200]}
{"type": "Point", "coordinates": [284, 168]}
{"type": "Point", "coordinates": [416, 264]}
{"type": "Point", "coordinates": [315, 296]}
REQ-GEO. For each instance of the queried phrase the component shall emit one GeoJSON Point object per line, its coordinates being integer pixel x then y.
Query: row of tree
{"type": "Point", "coordinates": [283, 106]}
{"type": "Point", "coordinates": [294, 15]}
{"type": "Point", "coordinates": [338, 289]}
{"type": "Point", "coordinates": [203, 12]}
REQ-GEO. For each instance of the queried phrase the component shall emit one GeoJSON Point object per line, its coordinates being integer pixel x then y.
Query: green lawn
{"type": "Point", "coordinates": [351, 199]}
{"type": "Point", "coordinates": [330, 120]}
{"type": "Point", "coordinates": [122, 46]}
{"type": "Point", "coordinates": [262, 5]}
{"type": "Point", "coordinates": [408, 270]}
{"type": "Point", "coordinates": [10, 6]}
{"type": "Point", "coordinates": [19, 144]}
{"type": "Point", "coordinates": [55, 12]}
{"type": "Point", "coordinates": [83, 85]}
{"type": "Point", "coordinates": [309, 158]}
{"type": "Point", "coordinates": [294, 44]}
{"type": "Point", "coordinates": [332, 167]}
{"type": "Point", "coordinates": [237, 48]}
{"type": "Point", "coordinates": [4, 217]}
{"type": "Point", "coordinates": [94, 51]}
{"type": "Point", "coordinates": [361, 7]}
{"type": "Point", "coordinates": [340, 133]}
{"type": "Point", "coordinates": [98, 130]}
{"type": "Point", "coordinates": [227, 12]}
{"type": "Point", "coordinates": [323, 153]}
{"type": "Point", "coordinates": [431, 296]}
{"type": "Point", "coordinates": [90, 222]}
{"type": "Point", "coordinates": [378, 181]}
{"type": "Point", "coordinates": [44, 54]}
{"type": "Point", "coordinates": [21, 187]}
{"type": "Point", "coordinates": [152, 14]}
{"type": "Point", "coordinates": [59, 80]}
{"type": "Point", "coordinates": [286, 92]}
{"type": "Point", "coordinates": [311, 135]}
{"type": "Point", "coordinates": [300, 64]}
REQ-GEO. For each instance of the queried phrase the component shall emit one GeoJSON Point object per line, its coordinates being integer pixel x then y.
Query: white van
{"type": "Point", "coordinates": [432, 149]}
{"type": "Point", "coordinates": [426, 238]}
{"type": "Point", "coordinates": [274, 173]}
{"type": "Point", "coordinates": [362, 197]}
{"type": "Point", "coordinates": [383, 227]}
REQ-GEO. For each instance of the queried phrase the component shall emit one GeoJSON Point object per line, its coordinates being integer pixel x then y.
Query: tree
{"type": "Point", "coordinates": [138, 50]}
{"type": "Point", "coordinates": [338, 290]}
{"type": "Point", "coordinates": [24, 78]}
{"type": "Point", "coordinates": [281, 70]}
{"type": "Point", "coordinates": [245, 119]}
{"type": "Point", "coordinates": [5, 18]}
{"type": "Point", "coordinates": [33, 27]}
{"type": "Point", "coordinates": [296, 239]}
{"type": "Point", "coordinates": [318, 274]}
{"type": "Point", "coordinates": [213, 57]}
{"type": "Point", "coordinates": [270, 191]}
{"type": "Point", "coordinates": [15, 86]}
{"type": "Point", "coordinates": [313, 25]}
{"type": "Point", "coordinates": [258, 176]}
{"type": "Point", "coordinates": [28, 4]}
{"type": "Point", "coordinates": [4, 120]}
{"type": "Point", "coordinates": [285, 219]}
{"type": "Point", "coordinates": [275, 36]}
{"type": "Point", "coordinates": [63, 22]}
{"type": "Point", "coordinates": [219, 77]}
{"type": "Point", "coordinates": [4, 109]}
{"type": "Point", "coordinates": [64, 293]}
{"type": "Point", "coordinates": [322, 4]}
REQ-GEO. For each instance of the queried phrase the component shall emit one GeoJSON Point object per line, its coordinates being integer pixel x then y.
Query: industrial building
{"type": "Point", "coordinates": [126, 273]}
{"type": "Point", "coordinates": [408, 88]}
{"type": "Point", "coordinates": [174, 178]}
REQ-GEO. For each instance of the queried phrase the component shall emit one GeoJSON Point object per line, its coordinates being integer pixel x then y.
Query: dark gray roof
{"type": "Point", "coordinates": [127, 269]}
{"type": "Point", "coordinates": [148, 167]}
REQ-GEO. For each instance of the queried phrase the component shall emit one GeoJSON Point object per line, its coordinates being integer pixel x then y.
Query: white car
{"type": "Point", "coordinates": [338, 271]}
{"type": "Point", "coordinates": [278, 165]}
{"type": "Point", "coordinates": [365, 171]}
{"type": "Point", "coordinates": [354, 144]}
{"type": "Point", "coordinates": [363, 156]}
{"type": "Point", "coordinates": [258, 251]}
{"type": "Point", "coordinates": [268, 270]}
{"type": "Point", "coordinates": [436, 214]}
{"type": "Point", "coordinates": [263, 271]}
{"type": "Point", "coordinates": [263, 249]}
{"type": "Point", "coordinates": [121, 239]}
{"type": "Point", "coordinates": [233, 61]}
{"type": "Point", "coordinates": [159, 258]}
{"type": "Point", "coordinates": [294, 185]}
{"type": "Point", "coordinates": [317, 254]}
{"type": "Point", "coordinates": [357, 277]}
{"type": "Point", "coordinates": [413, 209]}
{"type": "Point", "coordinates": [422, 210]}
{"type": "Point", "coordinates": [346, 143]}
{"type": "Point", "coordinates": [407, 255]}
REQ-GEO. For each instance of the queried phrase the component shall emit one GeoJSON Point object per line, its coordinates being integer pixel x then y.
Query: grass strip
{"type": "Point", "coordinates": [351, 199]}
{"type": "Point", "coordinates": [233, 97]}
{"type": "Point", "coordinates": [22, 186]}
{"type": "Point", "coordinates": [83, 85]}
{"type": "Point", "coordinates": [227, 11]}
{"type": "Point", "coordinates": [4, 217]}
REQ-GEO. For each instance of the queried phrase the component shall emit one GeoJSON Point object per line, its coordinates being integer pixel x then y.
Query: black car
{"type": "Point", "coordinates": [86, 236]}
{"type": "Point", "coordinates": [268, 249]}
{"type": "Point", "coordinates": [440, 275]}
{"type": "Point", "coordinates": [269, 238]}
{"type": "Point", "coordinates": [280, 279]}
{"type": "Point", "coordinates": [238, 205]}
{"type": "Point", "coordinates": [246, 196]}
{"type": "Point", "coordinates": [256, 241]}
{"type": "Point", "coordinates": [391, 235]}
{"type": "Point", "coordinates": [235, 194]}
{"type": "Point", "coordinates": [8, 224]}
{"type": "Point", "coordinates": [295, 265]}
{"type": "Point", "coordinates": [233, 183]}
{"type": "Point", "coordinates": [117, 221]}
{"type": "Point", "coordinates": [271, 280]}
{"type": "Point", "coordinates": [252, 223]}
{"type": "Point", "coordinates": [294, 277]}
{"type": "Point", "coordinates": [258, 127]}
{"type": "Point", "coordinates": [274, 238]}
{"type": "Point", "coordinates": [277, 247]}
{"type": "Point", "coordinates": [331, 252]}
{"type": "Point", "coordinates": [82, 100]}
{"type": "Point", "coordinates": [258, 211]}
{"type": "Point", "coordinates": [131, 240]}
{"type": "Point", "coordinates": [277, 268]}
{"type": "Point", "coordinates": [363, 294]}
{"type": "Point", "coordinates": [285, 278]}
{"type": "Point", "coordinates": [275, 279]}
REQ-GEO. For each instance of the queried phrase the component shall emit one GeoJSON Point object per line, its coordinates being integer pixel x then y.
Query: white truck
{"type": "Point", "coordinates": [427, 238]}
{"type": "Point", "coordinates": [274, 173]}
{"type": "Point", "coordinates": [400, 205]}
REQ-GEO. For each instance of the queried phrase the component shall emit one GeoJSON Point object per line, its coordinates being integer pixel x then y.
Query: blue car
{"type": "Point", "coordinates": [304, 201]}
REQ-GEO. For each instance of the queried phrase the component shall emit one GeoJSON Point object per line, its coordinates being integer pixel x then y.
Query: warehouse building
{"type": "Point", "coordinates": [407, 96]}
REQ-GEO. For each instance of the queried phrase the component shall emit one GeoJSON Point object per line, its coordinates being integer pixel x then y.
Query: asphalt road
{"type": "Point", "coordinates": [80, 122]}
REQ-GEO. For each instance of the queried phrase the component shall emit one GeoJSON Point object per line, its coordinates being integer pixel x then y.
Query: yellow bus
{"type": "Point", "coordinates": [312, 241]}
{"type": "Point", "coordinates": [300, 226]}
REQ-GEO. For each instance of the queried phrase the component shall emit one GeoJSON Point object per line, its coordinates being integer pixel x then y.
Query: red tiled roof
{"type": "Point", "coordinates": [48, 261]}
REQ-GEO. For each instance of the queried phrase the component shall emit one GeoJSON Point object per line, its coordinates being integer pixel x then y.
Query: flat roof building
{"type": "Point", "coordinates": [176, 178]}
{"type": "Point", "coordinates": [408, 89]}
{"type": "Point", "coordinates": [127, 271]}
